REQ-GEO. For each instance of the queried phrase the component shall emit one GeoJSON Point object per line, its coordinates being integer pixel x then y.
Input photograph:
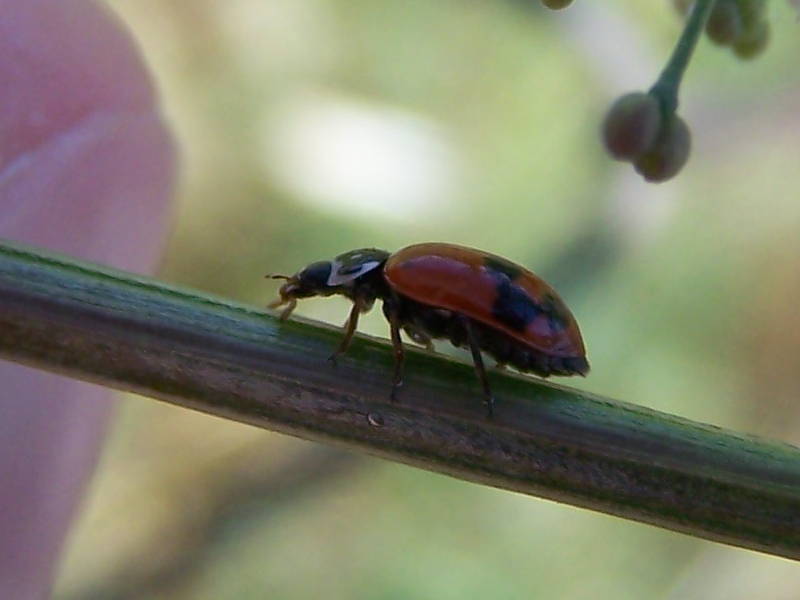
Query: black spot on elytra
{"type": "Point", "coordinates": [513, 307]}
{"type": "Point", "coordinates": [555, 317]}
{"type": "Point", "coordinates": [505, 267]}
{"type": "Point", "coordinates": [556, 323]}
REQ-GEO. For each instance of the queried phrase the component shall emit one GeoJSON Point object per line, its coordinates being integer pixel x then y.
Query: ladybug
{"type": "Point", "coordinates": [434, 290]}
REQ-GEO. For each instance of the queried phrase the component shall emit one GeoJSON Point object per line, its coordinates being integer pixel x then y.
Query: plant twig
{"type": "Point", "coordinates": [668, 83]}
{"type": "Point", "coordinates": [208, 354]}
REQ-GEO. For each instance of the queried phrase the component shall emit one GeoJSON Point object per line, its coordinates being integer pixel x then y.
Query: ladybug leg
{"type": "Point", "coordinates": [291, 303]}
{"type": "Point", "coordinates": [349, 330]}
{"type": "Point", "coordinates": [477, 360]}
{"type": "Point", "coordinates": [397, 345]}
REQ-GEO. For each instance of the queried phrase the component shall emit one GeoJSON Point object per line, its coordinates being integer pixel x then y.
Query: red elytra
{"type": "Point", "coordinates": [469, 281]}
{"type": "Point", "coordinates": [434, 290]}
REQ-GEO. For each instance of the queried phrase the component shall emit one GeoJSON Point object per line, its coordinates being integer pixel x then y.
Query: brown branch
{"type": "Point", "coordinates": [233, 361]}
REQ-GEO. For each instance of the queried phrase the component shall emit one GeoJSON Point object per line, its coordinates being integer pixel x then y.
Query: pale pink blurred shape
{"type": "Point", "coordinates": [86, 168]}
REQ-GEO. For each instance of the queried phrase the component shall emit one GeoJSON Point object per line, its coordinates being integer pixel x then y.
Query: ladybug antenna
{"type": "Point", "coordinates": [274, 276]}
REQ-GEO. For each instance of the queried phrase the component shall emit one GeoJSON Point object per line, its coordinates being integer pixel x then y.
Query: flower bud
{"type": "Point", "coordinates": [631, 125]}
{"type": "Point", "coordinates": [669, 153]}
{"type": "Point", "coordinates": [751, 12]}
{"type": "Point", "coordinates": [556, 4]}
{"type": "Point", "coordinates": [753, 41]}
{"type": "Point", "coordinates": [724, 24]}
{"type": "Point", "coordinates": [682, 6]}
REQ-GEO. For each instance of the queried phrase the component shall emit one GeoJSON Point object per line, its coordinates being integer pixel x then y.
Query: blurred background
{"type": "Point", "coordinates": [311, 127]}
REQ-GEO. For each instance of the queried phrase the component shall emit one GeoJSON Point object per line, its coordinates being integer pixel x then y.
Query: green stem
{"type": "Point", "coordinates": [666, 87]}
{"type": "Point", "coordinates": [213, 355]}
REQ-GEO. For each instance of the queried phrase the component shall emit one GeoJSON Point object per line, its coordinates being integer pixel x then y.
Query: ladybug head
{"type": "Point", "coordinates": [324, 278]}
{"type": "Point", "coordinates": [308, 282]}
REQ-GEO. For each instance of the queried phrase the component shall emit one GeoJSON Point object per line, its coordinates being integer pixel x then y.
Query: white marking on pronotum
{"type": "Point", "coordinates": [338, 278]}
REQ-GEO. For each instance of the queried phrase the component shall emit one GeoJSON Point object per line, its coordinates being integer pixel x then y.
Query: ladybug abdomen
{"type": "Point", "coordinates": [441, 323]}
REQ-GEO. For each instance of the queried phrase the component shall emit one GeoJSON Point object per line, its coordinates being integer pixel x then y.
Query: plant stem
{"type": "Point", "coordinates": [213, 355]}
{"type": "Point", "coordinates": [667, 86]}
